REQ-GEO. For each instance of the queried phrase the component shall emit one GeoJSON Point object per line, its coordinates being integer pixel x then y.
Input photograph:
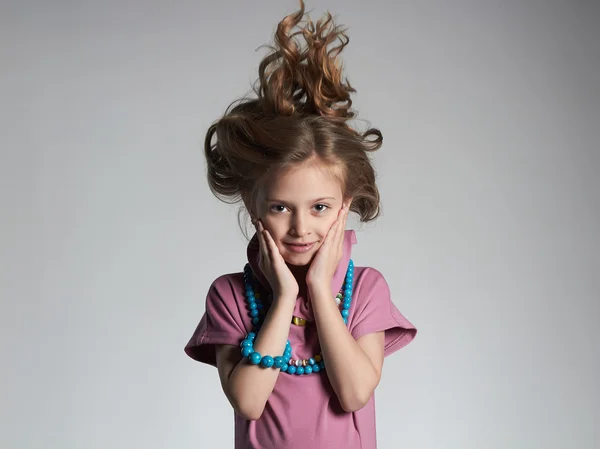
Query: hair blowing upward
{"type": "Point", "coordinates": [300, 114]}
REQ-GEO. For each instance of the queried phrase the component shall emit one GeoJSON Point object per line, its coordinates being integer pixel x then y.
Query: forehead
{"type": "Point", "coordinates": [303, 182]}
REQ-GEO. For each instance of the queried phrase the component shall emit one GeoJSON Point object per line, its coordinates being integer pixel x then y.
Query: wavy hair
{"type": "Point", "coordinates": [300, 114]}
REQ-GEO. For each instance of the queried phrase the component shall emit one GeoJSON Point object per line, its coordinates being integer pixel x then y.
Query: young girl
{"type": "Point", "coordinates": [300, 335]}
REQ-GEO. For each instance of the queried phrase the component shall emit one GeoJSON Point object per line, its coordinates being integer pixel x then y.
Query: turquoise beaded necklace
{"type": "Point", "coordinates": [284, 362]}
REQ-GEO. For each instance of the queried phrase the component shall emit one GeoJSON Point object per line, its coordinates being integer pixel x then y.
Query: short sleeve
{"type": "Point", "coordinates": [375, 311]}
{"type": "Point", "coordinates": [221, 322]}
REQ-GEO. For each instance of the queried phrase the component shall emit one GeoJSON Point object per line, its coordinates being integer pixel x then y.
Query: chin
{"type": "Point", "coordinates": [299, 260]}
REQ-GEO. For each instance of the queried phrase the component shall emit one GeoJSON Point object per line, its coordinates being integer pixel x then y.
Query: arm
{"type": "Point", "coordinates": [248, 386]}
{"type": "Point", "coordinates": [353, 366]}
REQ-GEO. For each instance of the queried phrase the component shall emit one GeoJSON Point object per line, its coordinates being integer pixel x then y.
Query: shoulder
{"type": "Point", "coordinates": [369, 278]}
{"type": "Point", "coordinates": [226, 287]}
{"type": "Point", "coordinates": [370, 289]}
{"type": "Point", "coordinates": [228, 280]}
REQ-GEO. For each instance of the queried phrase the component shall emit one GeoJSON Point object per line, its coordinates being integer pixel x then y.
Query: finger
{"type": "Point", "coordinates": [346, 213]}
{"type": "Point", "coordinates": [343, 218]}
{"type": "Point", "coordinates": [332, 233]}
{"type": "Point", "coordinates": [273, 250]}
{"type": "Point", "coordinates": [261, 238]}
{"type": "Point", "coordinates": [340, 223]}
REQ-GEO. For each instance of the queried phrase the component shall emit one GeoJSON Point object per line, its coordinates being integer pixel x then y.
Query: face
{"type": "Point", "coordinates": [298, 207]}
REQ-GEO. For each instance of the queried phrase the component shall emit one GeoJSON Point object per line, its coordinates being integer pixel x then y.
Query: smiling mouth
{"type": "Point", "coordinates": [299, 247]}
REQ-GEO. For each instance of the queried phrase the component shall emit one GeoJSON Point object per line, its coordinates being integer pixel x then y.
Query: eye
{"type": "Point", "coordinates": [278, 208]}
{"type": "Point", "coordinates": [321, 207]}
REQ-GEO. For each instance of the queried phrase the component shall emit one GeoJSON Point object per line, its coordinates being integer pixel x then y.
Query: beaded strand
{"type": "Point", "coordinates": [284, 362]}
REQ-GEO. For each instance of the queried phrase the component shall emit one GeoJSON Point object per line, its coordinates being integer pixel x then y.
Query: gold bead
{"type": "Point", "coordinates": [318, 358]}
{"type": "Point", "coordinates": [298, 321]}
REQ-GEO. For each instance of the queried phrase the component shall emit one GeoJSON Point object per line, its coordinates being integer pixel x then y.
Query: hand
{"type": "Point", "coordinates": [325, 262]}
{"type": "Point", "coordinates": [273, 266]}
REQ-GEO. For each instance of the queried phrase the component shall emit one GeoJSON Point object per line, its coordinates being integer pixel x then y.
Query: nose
{"type": "Point", "coordinates": [298, 225]}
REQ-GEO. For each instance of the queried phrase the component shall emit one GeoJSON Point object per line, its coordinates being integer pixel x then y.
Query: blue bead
{"type": "Point", "coordinates": [347, 303]}
{"type": "Point", "coordinates": [308, 369]}
{"type": "Point", "coordinates": [254, 313]}
{"type": "Point", "coordinates": [291, 369]}
{"type": "Point", "coordinates": [312, 361]}
{"type": "Point", "coordinates": [345, 313]}
{"type": "Point", "coordinates": [316, 368]}
{"type": "Point", "coordinates": [267, 361]}
{"type": "Point", "coordinates": [255, 358]}
{"type": "Point", "coordinates": [247, 350]}
{"type": "Point", "coordinates": [348, 292]}
{"type": "Point", "coordinates": [345, 320]}
{"type": "Point", "coordinates": [260, 306]}
{"type": "Point", "coordinates": [246, 343]}
{"type": "Point", "coordinates": [300, 370]}
{"type": "Point", "coordinates": [322, 364]}
{"type": "Point", "coordinates": [255, 320]}
{"type": "Point", "coordinates": [253, 306]}
{"type": "Point", "coordinates": [284, 367]}
{"type": "Point", "coordinates": [251, 336]}
{"type": "Point", "coordinates": [278, 362]}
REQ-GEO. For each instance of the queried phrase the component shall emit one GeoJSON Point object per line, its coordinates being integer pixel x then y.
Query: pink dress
{"type": "Point", "coordinates": [303, 411]}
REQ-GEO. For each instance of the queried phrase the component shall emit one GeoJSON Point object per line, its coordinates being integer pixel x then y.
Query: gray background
{"type": "Point", "coordinates": [489, 238]}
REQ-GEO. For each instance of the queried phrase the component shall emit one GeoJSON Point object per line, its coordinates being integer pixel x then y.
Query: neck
{"type": "Point", "coordinates": [299, 272]}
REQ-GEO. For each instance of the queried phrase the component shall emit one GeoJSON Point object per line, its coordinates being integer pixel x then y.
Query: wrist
{"type": "Point", "coordinates": [284, 299]}
{"type": "Point", "coordinates": [319, 289]}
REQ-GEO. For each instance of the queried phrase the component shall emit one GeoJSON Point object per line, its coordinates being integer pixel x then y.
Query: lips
{"type": "Point", "coordinates": [299, 247]}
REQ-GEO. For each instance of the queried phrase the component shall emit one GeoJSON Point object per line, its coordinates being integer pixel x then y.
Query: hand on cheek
{"type": "Point", "coordinates": [273, 266]}
{"type": "Point", "coordinates": [328, 256]}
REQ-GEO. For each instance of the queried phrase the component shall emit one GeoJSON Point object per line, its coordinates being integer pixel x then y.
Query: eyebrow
{"type": "Point", "coordinates": [274, 200]}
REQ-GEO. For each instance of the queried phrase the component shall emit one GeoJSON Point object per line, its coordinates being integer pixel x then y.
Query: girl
{"type": "Point", "coordinates": [300, 335]}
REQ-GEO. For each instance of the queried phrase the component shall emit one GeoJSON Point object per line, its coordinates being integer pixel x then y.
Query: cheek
{"type": "Point", "coordinates": [327, 225]}
{"type": "Point", "coordinates": [273, 226]}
